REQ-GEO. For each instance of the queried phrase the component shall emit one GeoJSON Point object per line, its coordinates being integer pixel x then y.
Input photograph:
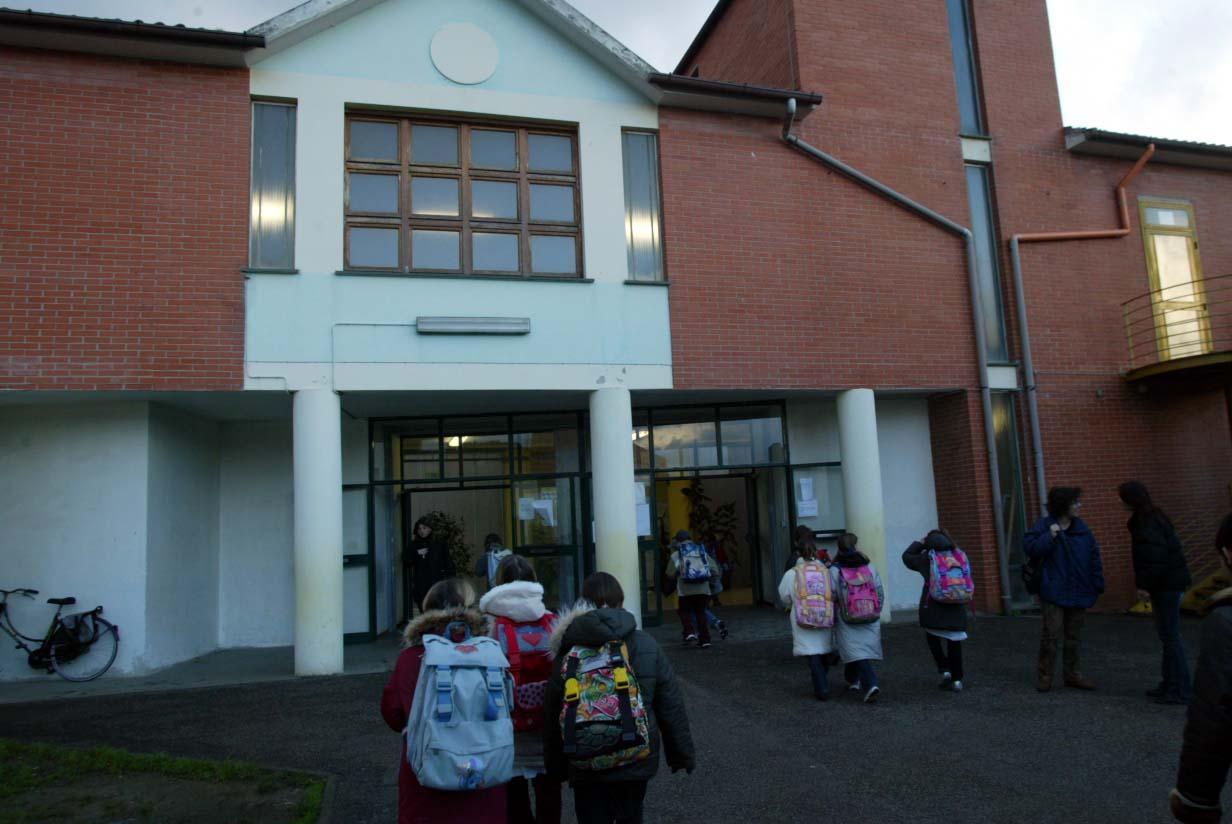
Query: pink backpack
{"type": "Point", "coordinates": [860, 602]}
{"type": "Point", "coordinates": [949, 577]}
{"type": "Point", "coordinates": [814, 596]}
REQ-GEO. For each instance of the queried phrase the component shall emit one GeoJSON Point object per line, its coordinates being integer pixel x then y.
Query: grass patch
{"type": "Point", "coordinates": [36, 770]}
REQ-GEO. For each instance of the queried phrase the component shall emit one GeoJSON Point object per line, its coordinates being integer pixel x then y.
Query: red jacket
{"type": "Point", "coordinates": [417, 804]}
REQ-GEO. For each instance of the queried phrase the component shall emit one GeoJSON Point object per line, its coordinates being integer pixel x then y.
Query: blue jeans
{"type": "Point", "coordinates": [819, 672]}
{"type": "Point", "coordinates": [1166, 608]}
{"type": "Point", "coordinates": [711, 618]}
{"type": "Point", "coordinates": [861, 671]}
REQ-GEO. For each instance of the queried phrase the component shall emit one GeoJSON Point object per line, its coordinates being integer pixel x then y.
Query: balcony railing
{"type": "Point", "coordinates": [1179, 326]}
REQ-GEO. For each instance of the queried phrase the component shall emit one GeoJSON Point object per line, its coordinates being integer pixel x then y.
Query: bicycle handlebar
{"type": "Point", "coordinates": [29, 593]}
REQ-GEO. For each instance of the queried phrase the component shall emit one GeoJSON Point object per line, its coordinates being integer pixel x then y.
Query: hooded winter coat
{"type": "Point", "coordinates": [934, 615]}
{"type": "Point", "coordinates": [665, 707]}
{"type": "Point", "coordinates": [804, 640]}
{"type": "Point", "coordinates": [1073, 571]}
{"type": "Point", "coordinates": [520, 602]}
{"type": "Point", "coordinates": [429, 562]}
{"type": "Point", "coordinates": [856, 642]}
{"type": "Point", "coordinates": [1159, 559]}
{"type": "Point", "coordinates": [1206, 754]}
{"type": "Point", "coordinates": [418, 804]}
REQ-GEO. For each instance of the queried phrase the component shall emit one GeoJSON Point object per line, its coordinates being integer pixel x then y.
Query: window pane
{"type": "Point", "coordinates": [374, 193]}
{"type": "Point", "coordinates": [969, 118]}
{"type": "Point", "coordinates": [979, 195]}
{"type": "Point", "coordinates": [434, 250]}
{"type": "Point", "coordinates": [643, 223]}
{"type": "Point", "coordinates": [494, 150]}
{"type": "Point", "coordinates": [550, 153]}
{"type": "Point", "coordinates": [271, 237]}
{"type": "Point", "coordinates": [553, 203]}
{"type": "Point", "coordinates": [434, 145]}
{"type": "Point", "coordinates": [824, 485]}
{"type": "Point", "coordinates": [1167, 217]}
{"type": "Point", "coordinates": [481, 445]}
{"type": "Point", "coordinates": [545, 444]}
{"type": "Point", "coordinates": [1174, 266]}
{"type": "Point", "coordinates": [374, 141]}
{"type": "Point", "coordinates": [751, 435]}
{"type": "Point", "coordinates": [684, 438]}
{"type": "Point", "coordinates": [553, 254]}
{"type": "Point", "coordinates": [494, 199]}
{"type": "Point", "coordinates": [373, 247]}
{"type": "Point", "coordinates": [494, 252]}
{"type": "Point", "coordinates": [434, 196]}
{"type": "Point", "coordinates": [545, 512]}
{"type": "Point", "coordinates": [1005, 428]}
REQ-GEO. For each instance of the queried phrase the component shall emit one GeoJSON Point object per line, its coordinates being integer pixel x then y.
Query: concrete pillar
{"type": "Point", "coordinates": [611, 460]}
{"type": "Point", "coordinates": [317, 451]}
{"type": "Point", "coordinates": [863, 502]}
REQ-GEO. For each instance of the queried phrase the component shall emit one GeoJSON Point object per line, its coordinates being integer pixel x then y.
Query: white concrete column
{"type": "Point", "coordinates": [611, 460]}
{"type": "Point", "coordinates": [317, 461]}
{"type": "Point", "coordinates": [863, 502]}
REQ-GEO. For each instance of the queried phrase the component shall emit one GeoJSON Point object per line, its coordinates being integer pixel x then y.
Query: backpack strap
{"type": "Point", "coordinates": [620, 675]}
{"type": "Point", "coordinates": [496, 693]}
{"type": "Point", "coordinates": [444, 693]}
{"type": "Point", "coordinates": [572, 695]}
{"type": "Point", "coordinates": [511, 641]}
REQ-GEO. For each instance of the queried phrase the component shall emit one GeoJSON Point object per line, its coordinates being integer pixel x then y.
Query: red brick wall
{"type": "Point", "coordinates": [124, 227]}
{"type": "Point", "coordinates": [753, 43]}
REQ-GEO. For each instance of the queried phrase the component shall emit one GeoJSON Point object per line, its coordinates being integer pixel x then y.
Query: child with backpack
{"type": "Point", "coordinates": [523, 628]}
{"type": "Point", "coordinates": [857, 630]}
{"type": "Point", "coordinates": [693, 568]}
{"type": "Point", "coordinates": [613, 702]}
{"type": "Point", "coordinates": [449, 620]}
{"type": "Point", "coordinates": [494, 551]}
{"type": "Point", "coordinates": [948, 589]}
{"type": "Point", "coordinates": [808, 592]}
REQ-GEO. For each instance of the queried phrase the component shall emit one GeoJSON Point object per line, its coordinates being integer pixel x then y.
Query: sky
{"type": "Point", "coordinates": [1141, 66]}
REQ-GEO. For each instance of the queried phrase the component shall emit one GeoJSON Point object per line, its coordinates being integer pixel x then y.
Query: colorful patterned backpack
{"type": "Point", "coordinates": [949, 577]}
{"type": "Point", "coordinates": [814, 596]}
{"type": "Point", "coordinates": [693, 562]}
{"type": "Point", "coordinates": [528, 648]}
{"type": "Point", "coordinates": [603, 720]}
{"type": "Point", "coordinates": [859, 601]}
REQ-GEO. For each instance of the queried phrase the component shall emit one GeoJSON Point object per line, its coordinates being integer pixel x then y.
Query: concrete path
{"type": "Point", "coordinates": [998, 752]}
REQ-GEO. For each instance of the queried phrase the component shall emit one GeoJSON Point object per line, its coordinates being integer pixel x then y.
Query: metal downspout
{"type": "Point", "coordinates": [1020, 300]}
{"type": "Point", "coordinates": [977, 312]}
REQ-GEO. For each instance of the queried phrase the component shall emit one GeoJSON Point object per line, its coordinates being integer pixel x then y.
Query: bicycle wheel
{"type": "Point", "coordinates": [74, 661]}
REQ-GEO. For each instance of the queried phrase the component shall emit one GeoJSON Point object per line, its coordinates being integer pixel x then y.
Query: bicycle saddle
{"type": "Point", "coordinates": [62, 602]}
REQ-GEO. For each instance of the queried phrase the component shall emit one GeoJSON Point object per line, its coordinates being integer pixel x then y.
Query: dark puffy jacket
{"type": "Point", "coordinates": [669, 723]}
{"type": "Point", "coordinates": [1206, 754]}
{"type": "Point", "coordinates": [1073, 572]}
{"type": "Point", "coordinates": [1159, 559]}
{"type": "Point", "coordinates": [933, 615]}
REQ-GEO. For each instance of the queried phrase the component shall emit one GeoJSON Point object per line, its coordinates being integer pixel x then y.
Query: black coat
{"type": "Point", "coordinates": [665, 707]}
{"type": "Point", "coordinates": [933, 615]}
{"type": "Point", "coordinates": [1206, 754]}
{"type": "Point", "coordinates": [1159, 559]}
{"type": "Point", "coordinates": [428, 562]}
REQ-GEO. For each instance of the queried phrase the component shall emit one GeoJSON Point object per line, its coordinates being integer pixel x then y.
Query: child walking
{"type": "Point", "coordinates": [808, 593]}
{"type": "Point", "coordinates": [940, 620]}
{"type": "Point", "coordinates": [857, 630]}
{"type": "Point", "coordinates": [523, 627]}
{"type": "Point", "coordinates": [693, 568]}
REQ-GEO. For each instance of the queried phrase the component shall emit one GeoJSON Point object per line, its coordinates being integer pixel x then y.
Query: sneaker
{"type": "Point", "coordinates": [722, 630]}
{"type": "Point", "coordinates": [957, 686]}
{"type": "Point", "coordinates": [871, 695]}
{"type": "Point", "coordinates": [946, 680]}
{"type": "Point", "coordinates": [690, 638]}
{"type": "Point", "coordinates": [705, 645]}
{"type": "Point", "coordinates": [854, 687]}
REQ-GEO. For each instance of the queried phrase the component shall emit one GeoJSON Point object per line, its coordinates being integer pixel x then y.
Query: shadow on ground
{"type": "Point", "coordinates": [999, 752]}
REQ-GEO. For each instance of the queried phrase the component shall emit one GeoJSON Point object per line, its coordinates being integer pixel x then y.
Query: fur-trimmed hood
{"type": "Point", "coordinates": [519, 601]}
{"type": "Point", "coordinates": [584, 624]}
{"type": "Point", "coordinates": [434, 622]}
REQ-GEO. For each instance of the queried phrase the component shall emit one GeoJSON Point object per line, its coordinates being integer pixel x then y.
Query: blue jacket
{"type": "Point", "coordinates": [1073, 573]}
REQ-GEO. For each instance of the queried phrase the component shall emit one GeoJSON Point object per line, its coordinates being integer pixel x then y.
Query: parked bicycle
{"type": "Point", "coordinates": [80, 646]}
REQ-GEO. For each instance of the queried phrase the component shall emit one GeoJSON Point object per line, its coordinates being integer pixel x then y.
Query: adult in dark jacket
{"type": "Point", "coordinates": [1072, 579]}
{"type": "Point", "coordinates": [1162, 576]}
{"type": "Point", "coordinates": [425, 562]}
{"type": "Point", "coordinates": [616, 795]}
{"type": "Point", "coordinates": [940, 621]}
{"type": "Point", "coordinates": [449, 602]}
{"type": "Point", "coordinates": [1206, 754]}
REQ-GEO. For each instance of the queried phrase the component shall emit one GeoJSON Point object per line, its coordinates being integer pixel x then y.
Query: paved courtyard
{"type": "Point", "coordinates": [998, 752]}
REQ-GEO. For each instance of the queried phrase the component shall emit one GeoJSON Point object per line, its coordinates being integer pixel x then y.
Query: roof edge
{"type": "Point", "coordinates": [703, 34]}
{"type": "Point", "coordinates": [1100, 142]}
{"type": "Point", "coordinates": [131, 29]}
{"type": "Point", "coordinates": [681, 91]}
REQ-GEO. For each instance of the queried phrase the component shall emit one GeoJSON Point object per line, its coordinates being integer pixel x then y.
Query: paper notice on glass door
{"type": "Point", "coordinates": [643, 520]}
{"type": "Point", "coordinates": [547, 508]}
{"type": "Point", "coordinates": [806, 489]}
{"type": "Point", "coordinates": [806, 509]}
{"type": "Point", "coordinates": [526, 509]}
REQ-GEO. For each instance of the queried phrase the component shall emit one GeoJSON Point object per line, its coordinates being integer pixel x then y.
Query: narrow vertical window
{"type": "Point", "coordinates": [643, 207]}
{"type": "Point", "coordinates": [970, 112]}
{"type": "Point", "coordinates": [271, 232]}
{"type": "Point", "coordinates": [979, 193]}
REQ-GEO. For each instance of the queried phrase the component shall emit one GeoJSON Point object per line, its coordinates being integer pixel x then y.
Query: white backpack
{"type": "Point", "coordinates": [460, 734]}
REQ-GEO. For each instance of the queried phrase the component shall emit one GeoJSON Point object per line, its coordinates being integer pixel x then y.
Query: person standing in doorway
{"type": "Point", "coordinates": [692, 567]}
{"type": "Point", "coordinates": [425, 562]}
{"type": "Point", "coordinates": [1162, 576]}
{"type": "Point", "coordinates": [1072, 579]}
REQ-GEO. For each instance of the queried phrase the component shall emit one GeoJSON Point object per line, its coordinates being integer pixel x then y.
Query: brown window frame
{"type": "Point", "coordinates": [465, 174]}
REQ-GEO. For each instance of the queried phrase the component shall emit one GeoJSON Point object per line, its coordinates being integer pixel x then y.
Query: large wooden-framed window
{"type": "Point", "coordinates": [429, 195]}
